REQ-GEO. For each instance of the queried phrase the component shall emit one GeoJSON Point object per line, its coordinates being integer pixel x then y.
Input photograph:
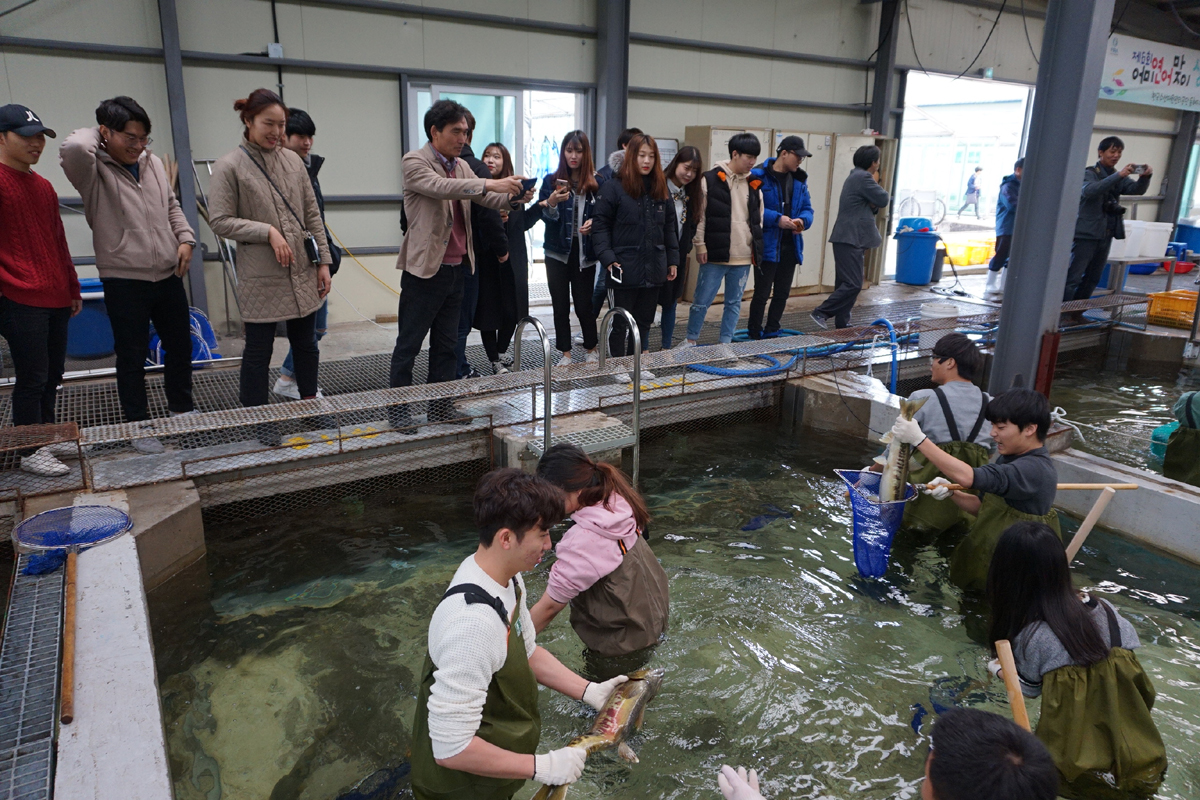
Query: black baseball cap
{"type": "Point", "coordinates": [22, 121]}
{"type": "Point", "coordinates": [793, 144]}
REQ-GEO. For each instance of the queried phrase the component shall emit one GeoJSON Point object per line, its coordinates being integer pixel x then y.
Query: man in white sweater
{"type": "Point", "coordinates": [477, 722]}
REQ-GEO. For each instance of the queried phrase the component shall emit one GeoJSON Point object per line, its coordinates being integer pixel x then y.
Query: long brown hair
{"type": "Point", "coordinates": [632, 180]}
{"type": "Point", "coordinates": [506, 166]}
{"type": "Point", "coordinates": [688, 155]}
{"type": "Point", "coordinates": [587, 166]}
{"type": "Point", "coordinates": [258, 101]}
{"type": "Point", "coordinates": [570, 469]}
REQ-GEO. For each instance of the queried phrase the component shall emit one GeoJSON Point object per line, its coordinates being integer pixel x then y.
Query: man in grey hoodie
{"type": "Point", "coordinates": [615, 159]}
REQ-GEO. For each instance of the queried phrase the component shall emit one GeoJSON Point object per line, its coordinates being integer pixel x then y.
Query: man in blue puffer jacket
{"type": "Point", "coordinates": [1006, 219]}
{"type": "Point", "coordinates": [787, 213]}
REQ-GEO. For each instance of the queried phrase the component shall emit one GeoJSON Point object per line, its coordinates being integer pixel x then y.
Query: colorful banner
{"type": "Point", "coordinates": [1151, 73]}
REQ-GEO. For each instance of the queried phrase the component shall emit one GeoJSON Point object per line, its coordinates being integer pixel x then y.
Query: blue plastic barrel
{"type": "Point", "coordinates": [1189, 235]}
{"type": "Point", "coordinates": [89, 334]}
{"type": "Point", "coordinates": [914, 257]}
{"type": "Point", "coordinates": [916, 223]}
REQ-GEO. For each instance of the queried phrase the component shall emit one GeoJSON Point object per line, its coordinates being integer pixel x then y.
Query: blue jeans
{"type": "Point", "coordinates": [289, 369]}
{"type": "Point", "coordinates": [708, 282]}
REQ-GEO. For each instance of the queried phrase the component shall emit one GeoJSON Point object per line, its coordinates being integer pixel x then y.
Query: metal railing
{"type": "Point", "coordinates": [547, 391]}
{"type": "Point", "coordinates": [224, 247]}
{"type": "Point", "coordinates": [636, 424]}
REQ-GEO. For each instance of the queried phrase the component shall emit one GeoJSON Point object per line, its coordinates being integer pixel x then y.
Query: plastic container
{"type": "Point", "coordinates": [1149, 268]}
{"type": "Point", "coordinates": [1177, 249]}
{"type": "Point", "coordinates": [914, 257]}
{"type": "Point", "coordinates": [1189, 234]}
{"type": "Point", "coordinates": [1134, 231]}
{"type": "Point", "coordinates": [939, 263]}
{"type": "Point", "coordinates": [1184, 267]}
{"type": "Point", "coordinates": [1158, 439]}
{"type": "Point", "coordinates": [1174, 309]}
{"type": "Point", "coordinates": [916, 223]}
{"type": "Point", "coordinates": [935, 311]}
{"type": "Point", "coordinates": [1155, 238]}
{"type": "Point", "coordinates": [89, 334]}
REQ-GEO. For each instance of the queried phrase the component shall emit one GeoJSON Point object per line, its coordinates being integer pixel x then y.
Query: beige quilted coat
{"type": "Point", "coordinates": [243, 207]}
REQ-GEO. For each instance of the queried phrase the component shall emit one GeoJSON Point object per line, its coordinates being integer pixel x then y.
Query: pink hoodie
{"type": "Point", "coordinates": [589, 550]}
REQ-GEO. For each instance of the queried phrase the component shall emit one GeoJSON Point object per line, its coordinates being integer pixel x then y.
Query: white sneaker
{"type": "Point", "coordinates": [685, 344]}
{"type": "Point", "coordinates": [498, 368]}
{"type": "Point", "coordinates": [577, 338]}
{"type": "Point", "coordinates": [647, 375]}
{"type": "Point", "coordinates": [148, 446]}
{"type": "Point", "coordinates": [622, 378]}
{"type": "Point", "coordinates": [62, 450]}
{"type": "Point", "coordinates": [591, 357]}
{"type": "Point", "coordinates": [285, 387]}
{"type": "Point", "coordinates": [565, 361]}
{"type": "Point", "coordinates": [184, 413]}
{"type": "Point", "coordinates": [44, 464]}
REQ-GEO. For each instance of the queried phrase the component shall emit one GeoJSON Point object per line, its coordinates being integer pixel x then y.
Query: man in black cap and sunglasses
{"type": "Point", "coordinates": [39, 291]}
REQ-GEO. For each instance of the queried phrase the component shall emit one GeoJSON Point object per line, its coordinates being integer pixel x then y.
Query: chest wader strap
{"type": "Point", "coordinates": [948, 414]}
{"type": "Point", "coordinates": [621, 545]}
{"type": "Point", "coordinates": [983, 404]}
{"type": "Point", "coordinates": [476, 594]}
{"type": "Point", "coordinates": [1114, 629]}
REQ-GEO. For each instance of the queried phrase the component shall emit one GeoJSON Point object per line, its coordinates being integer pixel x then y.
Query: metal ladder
{"type": "Point", "coordinates": [224, 246]}
{"type": "Point", "coordinates": [635, 423]}
{"type": "Point", "coordinates": [547, 391]}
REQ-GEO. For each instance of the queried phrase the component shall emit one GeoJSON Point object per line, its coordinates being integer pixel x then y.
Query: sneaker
{"type": "Point", "coordinates": [498, 368]}
{"type": "Point", "coordinates": [622, 378]}
{"type": "Point", "coordinates": [506, 359]}
{"type": "Point", "coordinates": [647, 375]}
{"type": "Point", "coordinates": [63, 450]}
{"type": "Point", "coordinates": [565, 361]}
{"type": "Point", "coordinates": [318, 396]}
{"type": "Point", "coordinates": [286, 387]}
{"type": "Point", "coordinates": [187, 413]}
{"type": "Point", "coordinates": [822, 321]}
{"type": "Point", "coordinates": [685, 344]}
{"type": "Point", "coordinates": [148, 446]}
{"type": "Point", "coordinates": [591, 357]}
{"type": "Point", "coordinates": [44, 464]}
{"type": "Point", "coordinates": [577, 338]}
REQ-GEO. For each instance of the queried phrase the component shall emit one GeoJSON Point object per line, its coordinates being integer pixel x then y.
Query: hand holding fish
{"type": "Point", "coordinates": [939, 488]}
{"type": "Point", "coordinates": [597, 694]}
{"type": "Point", "coordinates": [738, 785]}
{"type": "Point", "coordinates": [908, 431]}
{"type": "Point", "coordinates": [559, 767]}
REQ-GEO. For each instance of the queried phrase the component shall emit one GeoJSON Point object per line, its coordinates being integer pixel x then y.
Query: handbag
{"type": "Point", "coordinates": [311, 248]}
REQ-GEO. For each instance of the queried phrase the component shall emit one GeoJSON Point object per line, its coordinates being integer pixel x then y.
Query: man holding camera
{"type": "Point", "coordinates": [1101, 216]}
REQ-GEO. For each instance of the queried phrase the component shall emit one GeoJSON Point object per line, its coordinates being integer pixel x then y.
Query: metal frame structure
{"type": "Point", "coordinates": [546, 381]}
{"type": "Point", "coordinates": [605, 327]}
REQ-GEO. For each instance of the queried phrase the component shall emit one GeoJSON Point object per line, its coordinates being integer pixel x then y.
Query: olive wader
{"type": "Point", "coordinates": [1182, 460]}
{"type": "Point", "coordinates": [510, 717]}
{"type": "Point", "coordinates": [973, 556]}
{"type": "Point", "coordinates": [627, 609]}
{"type": "Point", "coordinates": [923, 512]}
{"type": "Point", "coordinates": [1096, 724]}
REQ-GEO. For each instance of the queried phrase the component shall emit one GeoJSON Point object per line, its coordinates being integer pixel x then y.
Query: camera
{"type": "Point", "coordinates": [1113, 208]}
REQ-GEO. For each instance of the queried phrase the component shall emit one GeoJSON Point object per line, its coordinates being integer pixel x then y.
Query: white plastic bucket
{"type": "Point", "coordinates": [1155, 239]}
{"type": "Point", "coordinates": [934, 311]}
{"type": "Point", "coordinates": [1135, 230]}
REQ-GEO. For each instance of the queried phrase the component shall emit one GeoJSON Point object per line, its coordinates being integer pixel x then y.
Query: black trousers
{"type": "Point", "coordinates": [970, 200]}
{"type": "Point", "coordinates": [567, 282]}
{"type": "Point", "coordinates": [256, 358]}
{"type": "Point", "coordinates": [847, 283]}
{"type": "Point", "coordinates": [428, 306]}
{"type": "Point", "coordinates": [772, 280]}
{"type": "Point", "coordinates": [1088, 257]}
{"type": "Point", "coordinates": [132, 306]}
{"type": "Point", "coordinates": [1003, 246]}
{"type": "Point", "coordinates": [37, 338]}
{"type": "Point", "coordinates": [639, 302]}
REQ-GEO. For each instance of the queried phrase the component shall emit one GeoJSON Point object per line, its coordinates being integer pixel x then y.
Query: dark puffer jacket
{"type": "Point", "coordinates": [639, 234]}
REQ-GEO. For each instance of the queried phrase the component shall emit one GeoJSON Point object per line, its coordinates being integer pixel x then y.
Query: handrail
{"type": "Point", "coordinates": [224, 251]}
{"type": "Point", "coordinates": [541, 329]}
{"type": "Point", "coordinates": [605, 325]}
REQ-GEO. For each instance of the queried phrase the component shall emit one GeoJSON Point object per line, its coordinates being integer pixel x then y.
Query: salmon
{"type": "Point", "coordinates": [893, 484]}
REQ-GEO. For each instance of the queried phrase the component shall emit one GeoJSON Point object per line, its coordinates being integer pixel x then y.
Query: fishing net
{"type": "Point", "coordinates": [72, 526]}
{"type": "Point", "coordinates": [875, 523]}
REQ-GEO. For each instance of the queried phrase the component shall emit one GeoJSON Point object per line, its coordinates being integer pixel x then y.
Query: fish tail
{"type": "Point", "coordinates": [548, 792]}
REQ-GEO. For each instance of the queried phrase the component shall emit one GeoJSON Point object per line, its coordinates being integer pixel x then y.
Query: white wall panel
{"type": "Point", "coordinates": [948, 35]}
{"type": "Point", "coordinates": [133, 23]}
{"type": "Point", "coordinates": [228, 26]}
{"type": "Point", "coordinates": [1135, 115]}
{"type": "Point", "coordinates": [358, 290]}
{"type": "Point", "coordinates": [335, 34]}
{"type": "Point", "coordinates": [365, 225]}
{"type": "Point", "coordinates": [211, 90]}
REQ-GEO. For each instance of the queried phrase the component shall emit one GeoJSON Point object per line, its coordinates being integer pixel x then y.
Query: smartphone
{"type": "Point", "coordinates": [1139, 169]}
{"type": "Point", "coordinates": [562, 183]}
{"type": "Point", "coordinates": [527, 184]}
{"type": "Point", "coordinates": [616, 274]}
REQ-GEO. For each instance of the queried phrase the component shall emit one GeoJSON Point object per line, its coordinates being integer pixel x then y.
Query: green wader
{"type": "Point", "coordinates": [1096, 724]}
{"type": "Point", "coordinates": [510, 721]}
{"type": "Point", "coordinates": [1182, 461]}
{"type": "Point", "coordinates": [927, 514]}
{"type": "Point", "coordinates": [973, 555]}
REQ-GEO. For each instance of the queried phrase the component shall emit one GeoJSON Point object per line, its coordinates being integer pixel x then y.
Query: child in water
{"type": "Point", "coordinates": [1076, 652]}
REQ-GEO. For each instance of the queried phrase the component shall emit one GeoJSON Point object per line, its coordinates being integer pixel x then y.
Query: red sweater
{"type": "Point", "coordinates": [35, 265]}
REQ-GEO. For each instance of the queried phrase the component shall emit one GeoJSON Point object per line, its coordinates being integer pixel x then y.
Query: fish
{"type": "Point", "coordinates": [621, 716]}
{"type": "Point", "coordinates": [763, 520]}
{"type": "Point", "coordinates": [893, 484]}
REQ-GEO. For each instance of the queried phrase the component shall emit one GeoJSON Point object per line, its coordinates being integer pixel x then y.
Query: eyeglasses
{"type": "Point", "coordinates": [144, 141]}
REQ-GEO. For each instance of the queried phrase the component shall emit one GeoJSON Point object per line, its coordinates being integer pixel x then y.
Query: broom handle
{"type": "Point", "coordinates": [1012, 684]}
{"type": "Point", "coordinates": [1097, 486]}
{"type": "Point", "coordinates": [67, 713]}
{"type": "Point", "coordinates": [1090, 522]}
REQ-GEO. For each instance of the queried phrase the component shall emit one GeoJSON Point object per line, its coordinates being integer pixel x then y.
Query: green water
{"type": "Point", "coordinates": [290, 671]}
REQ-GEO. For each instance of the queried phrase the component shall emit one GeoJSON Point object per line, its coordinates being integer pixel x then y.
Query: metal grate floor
{"type": "Point", "coordinates": [29, 671]}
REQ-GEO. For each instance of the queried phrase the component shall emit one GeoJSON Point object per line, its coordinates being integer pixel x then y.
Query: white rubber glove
{"type": "Point", "coordinates": [936, 488]}
{"type": "Point", "coordinates": [597, 694]}
{"type": "Point", "coordinates": [994, 668]}
{"type": "Point", "coordinates": [907, 431]}
{"type": "Point", "coordinates": [738, 785]}
{"type": "Point", "coordinates": [559, 767]}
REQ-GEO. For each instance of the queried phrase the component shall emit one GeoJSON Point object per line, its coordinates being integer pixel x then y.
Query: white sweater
{"type": "Point", "coordinates": [468, 644]}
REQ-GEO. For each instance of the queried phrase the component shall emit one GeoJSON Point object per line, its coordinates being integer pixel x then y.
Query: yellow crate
{"type": "Point", "coordinates": [1174, 309]}
{"type": "Point", "coordinates": [967, 253]}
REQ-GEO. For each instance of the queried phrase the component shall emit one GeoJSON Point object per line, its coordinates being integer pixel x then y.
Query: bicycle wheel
{"type": "Point", "coordinates": [939, 212]}
{"type": "Point", "coordinates": [909, 207]}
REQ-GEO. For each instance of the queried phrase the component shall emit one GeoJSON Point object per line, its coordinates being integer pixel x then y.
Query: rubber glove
{"type": "Point", "coordinates": [907, 431]}
{"type": "Point", "coordinates": [995, 669]}
{"type": "Point", "coordinates": [597, 694]}
{"type": "Point", "coordinates": [936, 488]}
{"type": "Point", "coordinates": [559, 767]}
{"type": "Point", "coordinates": [738, 785]}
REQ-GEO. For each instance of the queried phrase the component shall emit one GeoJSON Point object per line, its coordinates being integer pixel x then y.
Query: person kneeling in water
{"type": "Point", "coordinates": [1020, 486]}
{"type": "Point", "coordinates": [1076, 652]}
{"type": "Point", "coordinates": [604, 568]}
{"type": "Point", "coordinates": [1182, 459]}
{"type": "Point", "coordinates": [477, 721]}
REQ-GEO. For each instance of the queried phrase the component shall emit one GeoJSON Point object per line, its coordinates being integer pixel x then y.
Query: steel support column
{"type": "Point", "coordinates": [173, 62]}
{"type": "Point", "coordinates": [885, 67]}
{"type": "Point", "coordinates": [612, 74]}
{"type": "Point", "coordinates": [1175, 175]}
{"type": "Point", "coordinates": [1060, 128]}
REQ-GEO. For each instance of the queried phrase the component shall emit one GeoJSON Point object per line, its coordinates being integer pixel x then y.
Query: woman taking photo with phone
{"type": "Point", "coordinates": [504, 286]}
{"type": "Point", "coordinates": [261, 197]}
{"type": "Point", "coordinates": [637, 241]}
{"type": "Point", "coordinates": [567, 198]}
{"type": "Point", "coordinates": [684, 189]}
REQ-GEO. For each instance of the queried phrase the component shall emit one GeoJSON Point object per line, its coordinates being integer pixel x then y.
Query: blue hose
{"type": "Point", "coordinates": [895, 352]}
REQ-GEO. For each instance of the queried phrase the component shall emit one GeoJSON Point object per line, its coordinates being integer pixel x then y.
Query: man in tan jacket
{"type": "Point", "coordinates": [437, 250]}
{"type": "Point", "coordinates": [143, 248]}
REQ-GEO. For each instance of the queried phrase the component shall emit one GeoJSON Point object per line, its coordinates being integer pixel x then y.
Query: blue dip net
{"type": "Point", "coordinates": [72, 526]}
{"type": "Point", "coordinates": [875, 523]}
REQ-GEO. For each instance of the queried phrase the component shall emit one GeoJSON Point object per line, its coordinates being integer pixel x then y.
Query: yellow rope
{"type": "Point", "coordinates": [346, 250]}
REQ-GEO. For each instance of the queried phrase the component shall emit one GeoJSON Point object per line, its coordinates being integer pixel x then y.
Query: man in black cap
{"type": "Point", "coordinates": [787, 213]}
{"type": "Point", "coordinates": [39, 291]}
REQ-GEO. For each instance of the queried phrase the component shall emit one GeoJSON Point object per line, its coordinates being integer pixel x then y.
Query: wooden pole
{"type": "Point", "coordinates": [1011, 683]}
{"type": "Point", "coordinates": [1090, 522]}
{"type": "Point", "coordinates": [67, 712]}
{"type": "Point", "coordinates": [1098, 486]}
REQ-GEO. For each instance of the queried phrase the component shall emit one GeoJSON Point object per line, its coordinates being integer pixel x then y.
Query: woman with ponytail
{"type": "Point", "coordinates": [605, 570]}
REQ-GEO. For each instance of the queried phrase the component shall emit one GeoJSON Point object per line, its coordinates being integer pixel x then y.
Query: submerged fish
{"type": "Point", "coordinates": [763, 520]}
{"type": "Point", "coordinates": [616, 722]}
{"type": "Point", "coordinates": [893, 485]}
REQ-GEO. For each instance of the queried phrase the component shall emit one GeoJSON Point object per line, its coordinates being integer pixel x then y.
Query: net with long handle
{"type": "Point", "coordinates": [875, 523]}
{"type": "Point", "coordinates": [71, 526]}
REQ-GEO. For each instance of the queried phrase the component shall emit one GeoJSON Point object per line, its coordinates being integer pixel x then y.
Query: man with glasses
{"type": "Point", "coordinates": [787, 213]}
{"type": "Point", "coordinates": [143, 247]}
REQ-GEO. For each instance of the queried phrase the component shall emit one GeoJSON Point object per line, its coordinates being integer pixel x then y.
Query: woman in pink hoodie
{"type": "Point", "coordinates": [605, 569]}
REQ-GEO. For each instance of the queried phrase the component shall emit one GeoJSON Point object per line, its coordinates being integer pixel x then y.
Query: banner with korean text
{"type": "Point", "coordinates": [1151, 73]}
